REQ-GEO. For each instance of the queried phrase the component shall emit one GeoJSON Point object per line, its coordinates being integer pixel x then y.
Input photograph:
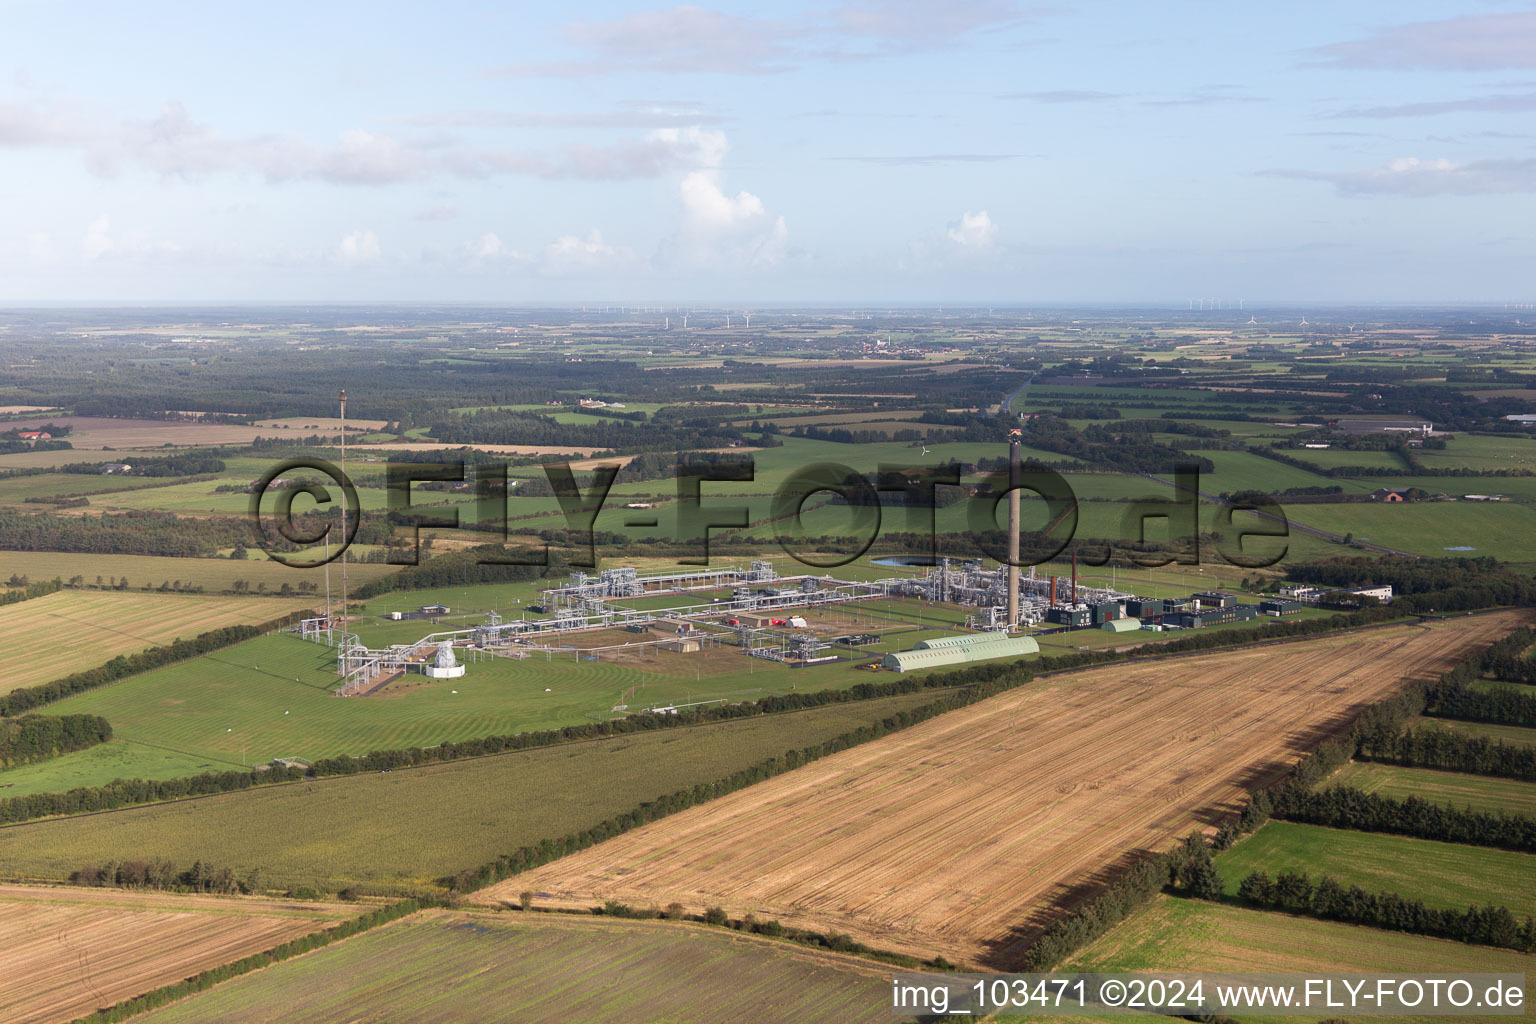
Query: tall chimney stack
{"type": "Point", "coordinates": [1015, 475]}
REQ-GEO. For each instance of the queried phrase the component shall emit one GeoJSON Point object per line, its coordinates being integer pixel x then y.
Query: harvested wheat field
{"type": "Point", "coordinates": [64, 952]}
{"type": "Point", "coordinates": [63, 632]}
{"type": "Point", "coordinates": [960, 836]}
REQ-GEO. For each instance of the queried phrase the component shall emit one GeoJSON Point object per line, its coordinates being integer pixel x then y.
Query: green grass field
{"type": "Point", "coordinates": [272, 697]}
{"type": "Point", "coordinates": [1480, 792]}
{"type": "Point", "coordinates": [1192, 935]}
{"type": "Point", "coordinates": [52, 485]}
{"type": "Point", "coordinates": [1503, 529]}
{"type": "Point", "coordinates": [1448, 875]}
{"type": "Point", "coordinates": [1484, 453]}
{"type": "Point", "coordinates": [408, 828]}
{"type": "Point", "coordinates": [115, 759]}
{"type": "Point", "coordinates": [1242, 471]}
{"type": "Point", "coordinates": [1507, 733]}
{"type": "Point", "coordinates": [1333, 458]}
{"type": "Point", "coordinates": [537, 969]}
{"type": "Point", "coordinates": [213, 574]}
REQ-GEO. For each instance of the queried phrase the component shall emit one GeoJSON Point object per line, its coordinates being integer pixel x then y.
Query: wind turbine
{"type": "Point", "coordinates": [1252, 320]}
{"type": "Point", "coordinates": [727, 319]}
{"type": "Point", "coordinates": [1304, 320]}
{"type": "Point", "coordinates": [685, 321]}
{"type": "Point", "coordinates": [748, 318]}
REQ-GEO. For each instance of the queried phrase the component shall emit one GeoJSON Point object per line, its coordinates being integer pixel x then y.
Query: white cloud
{"type": "Point", "coordinates": [487, 247]}
{"type": "Point", "coordinates": [688, 39]}
{"type": "Point", "coordinates": [680, 39]}
{"type": "Point", "coordinates": [98, 238]}
{"type": "Point", "coordinates": [1471, 42]}
{"type": "Point", "coordinates": [358, 248]}
{"type": "Point", "coordinates": [973, 231]}
{"type": "Point", "coordinates": [718, 228]}
{"type": "Point", "coordinates": [575, 254]}
{"type": "Point", "coordinates": [1410, 176]}
{"type": "Point", "coordinates": [1505, 103]}
{"type": "Point", "coordinates": [175, 145]}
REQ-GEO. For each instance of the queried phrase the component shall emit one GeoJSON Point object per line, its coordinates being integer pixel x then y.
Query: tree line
{"type": "Point", "coordinates": [1347, 807]}
{"type": "Point", "coordinates": [1330, 900]}
{"type": "Point", "coordinates": [128, 792]}
{"type": "Point", "coordinates": [162, 874]}
{"type": "Point", "coordinates": [1189, 867]}
{"type": "Point", "coordinates": [1453, 751]}
{"type": "Point", "coordinates": [25, 590]}
{"type": "Point", "coordinates": [203, 980]}
{"type": "Point", "coordinates": [1509, 658]}
{"type": "Point", "coordinates": [39, 737]}
{"type": "Point", "coordinates": [190, 464]}
{"type": "Point", "coordinates": [1502, 703]}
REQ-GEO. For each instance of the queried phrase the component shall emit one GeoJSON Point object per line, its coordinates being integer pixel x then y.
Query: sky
{"type": "Point", "coordinates": [965, 151]}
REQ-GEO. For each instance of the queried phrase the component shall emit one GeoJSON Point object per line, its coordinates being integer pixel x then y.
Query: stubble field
{"type": "Point", "coordinates": [959, 836]}
{"type": "Point", "coordinates": [66, 951]}
{"type": "Point", "coordinates": [547, 970]}
{"type": "Point", "coordinates": [54, 635]}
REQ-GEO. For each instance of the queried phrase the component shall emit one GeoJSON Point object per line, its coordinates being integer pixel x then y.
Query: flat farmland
{"type": "Point", "coordinates": [962, 835]}
{"type": "Point", "coordinates": [1192, 935]}
{"type": "Point", "coordinates": [411, 827]}
{"type": "Point", "coordinates": [543, 970]}
{"type": "Point", "coordinates": [66, 951]}
{"type": "Point", "coordinates": [213, 574]}
{"type": "Point", "coordinates": [109, 432]}
{"type": "Point", "coordinates": [1458, 789]}
{"type": "Point", "coordinates": [1444, 875]}
{"type": "Point", "coordinates": [51, 636]}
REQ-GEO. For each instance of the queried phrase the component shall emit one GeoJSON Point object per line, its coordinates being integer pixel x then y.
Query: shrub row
{"type": "Point", "coordinates": [1326, 898]}
{"type": "Point", "coordinates": [1506, 704]}
{"type": "Point", "coordinates": [39, 737]}
{"type": "Point", "coordinates": [128, 792]}
{"type": "Point", "coordinates": [30, 590]}
{"type": "Point", "coordinates": [1509, 659]}
{"type": "Point", "coordinates": [1345, 807]}
{"type": "Point", "coordinates": [1188, 866]}
{"type": "Point", "coordinates": [1454, 751]}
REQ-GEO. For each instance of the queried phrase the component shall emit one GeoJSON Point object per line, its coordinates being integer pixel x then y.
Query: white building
{"type": "Point", "coordinates": [444, 665]}
{"type": "Point", "coordinates": [1382, 594]}
{"type": "Point", "coordinates": [1301, 592]}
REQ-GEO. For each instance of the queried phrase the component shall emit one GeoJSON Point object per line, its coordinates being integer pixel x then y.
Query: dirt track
{"type": "Point", "coordinates": [959, 836]}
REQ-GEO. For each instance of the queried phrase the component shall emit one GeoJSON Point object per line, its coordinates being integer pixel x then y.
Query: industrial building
{"type": "Point", "coordinates": [443, 664]}
{"type": "Point", "coordinates": [1122, 625]}
{"type": "Point", "coordinates": [958, 650]}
